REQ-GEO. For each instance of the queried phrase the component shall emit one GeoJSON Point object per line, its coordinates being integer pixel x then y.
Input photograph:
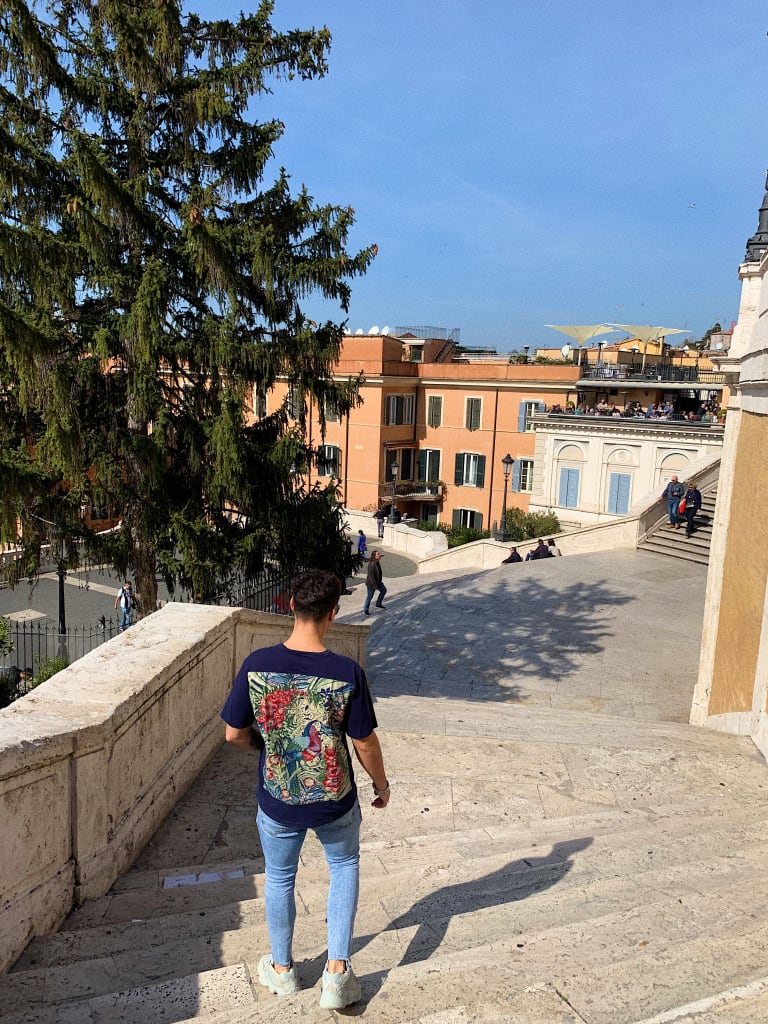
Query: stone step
{"type": "Point", "coordinates": [612, 828]}
{"type": "Point", "coordinates": [601, 965]}
{"type": "Point", "coordinates": [686, 554]}
{"type": "Point", "coordinates": [514, 899]}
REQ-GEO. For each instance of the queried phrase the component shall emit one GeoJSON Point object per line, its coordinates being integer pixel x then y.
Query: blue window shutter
{"type": "Point", "coordinates": [624, 489]}
{"type": "Point", "coordinates": [480, 480]}
{"type": "Point", "coordinates": [516, 476]}
{"type": "Point", "coordinates": [618, 493]}
{"type": "Point", "coordinates": [569, 488]}
{"type": "Point", "coordinates": [458, 476]}
{"type": "Point", "coordinates": [562, 496]}
{"type": "Point", "coordinates": [541, 407]}
{"type": "Point", "coordinates": [521, 417]}
{"type": "Point", "coordinates": [613, 494]}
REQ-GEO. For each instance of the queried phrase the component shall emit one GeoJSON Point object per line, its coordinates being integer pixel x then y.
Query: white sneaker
{"type": "Point", "coordinates": [340, 990]}
{"type": "Point", "coordinates": [281, 984]}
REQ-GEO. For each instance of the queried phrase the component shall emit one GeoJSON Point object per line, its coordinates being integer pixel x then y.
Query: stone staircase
{"type": "Point", "coordinates": [663, 541]}
{"type": "Point", "coordinates": [587, 869]}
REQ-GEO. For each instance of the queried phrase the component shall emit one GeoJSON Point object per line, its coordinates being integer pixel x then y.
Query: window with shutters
{"type": "Point", "coordinates": [619, 486]}
{"type": "Point", "coordinates": [293, 402]}
{"type": "Point", "coordinates": [468, 517]}
{"type": "Point", "coordinates": [527, 410]}
{"type": "Point", "coordinates": [429, 464]}
{"type": "Point", "coordinates": [568, 494]}
{"type": "Point", "coordinates": [435, 411]}
{"type": "Point", "coordinates": [473, 413]}
{"type": "Point", "coordinates": [399, 409]}
{"type": "Point", "coordinates": [259, 404]}
{"type": "Point", "coordinates": [331, 409]}
{"type": "Point", "coordinates": [470, 470]}
{"type": "Point", "coordinates": [526, 474]}
{"type": "Point", "coordinates": [328, 460]}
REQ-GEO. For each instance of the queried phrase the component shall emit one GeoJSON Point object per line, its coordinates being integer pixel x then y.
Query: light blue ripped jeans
{"type": "Point", "coordinates": [282, 846]}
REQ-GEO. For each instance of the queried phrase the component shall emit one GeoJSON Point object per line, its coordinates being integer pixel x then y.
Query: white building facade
{"type": "Point", "coordinates": [593, 469]}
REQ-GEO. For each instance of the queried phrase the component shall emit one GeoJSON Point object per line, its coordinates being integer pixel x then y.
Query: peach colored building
{"type": "Point", "coordinates": [446, 425]}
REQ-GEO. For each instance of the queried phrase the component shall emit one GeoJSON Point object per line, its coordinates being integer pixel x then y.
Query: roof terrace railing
{"type": "Point", "coordinates": [665, 372]}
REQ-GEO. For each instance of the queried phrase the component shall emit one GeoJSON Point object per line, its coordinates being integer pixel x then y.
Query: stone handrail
{"type": "Point", "coordinates": [93, 760]}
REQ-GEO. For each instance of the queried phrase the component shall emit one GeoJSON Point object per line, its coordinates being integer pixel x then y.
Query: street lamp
{"type": "Point", "coordinates": [393, 470]}
{"type": "Point", "coordinates": [525, 349]}
{"type": "Point", "coordinates": [503, 534]}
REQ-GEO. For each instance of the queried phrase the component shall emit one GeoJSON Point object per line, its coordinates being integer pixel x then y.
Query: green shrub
{"type": "Point", "coordinates": [529, 525]}
{"type": "Point", "coordinates": [47, 668]}
{"type": "Point", "coordinates": [6, 644]}
{"type": "Point", "coordinates": [463, 535]}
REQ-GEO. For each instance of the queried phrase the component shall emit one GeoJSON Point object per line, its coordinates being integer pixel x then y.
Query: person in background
{"type": "Point", "coordinates": [379, 516]}
{"type": "Point", "coordinates": [124, 600]}
{"type": "Point", "coordinates": [673, 492]}
{"type": "Point", "coordinates": [513, 556]}
{"type": "Point", "coordinates": [554, 550]}
{"type": "Point", "coordinates": [362, 544]}
{"type": "Point", "coordinates": [373, 582]}
{"type": "Point", "coordinates": [692, 499]}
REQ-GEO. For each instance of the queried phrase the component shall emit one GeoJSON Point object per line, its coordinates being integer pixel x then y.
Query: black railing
{"type": "Point", "coordinates": [35, 643]}
{"type": "Point", "coordinates": [666, 372]}
{"type": "Point", "coordinates": [269, 594]}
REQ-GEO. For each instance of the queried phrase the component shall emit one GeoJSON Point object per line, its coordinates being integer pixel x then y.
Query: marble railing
{"type": "Point", "coordinates": [93, 760]}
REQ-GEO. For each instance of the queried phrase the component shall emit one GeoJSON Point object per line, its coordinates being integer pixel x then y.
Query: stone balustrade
{"type": "Point", "coordinates": [93, 760]}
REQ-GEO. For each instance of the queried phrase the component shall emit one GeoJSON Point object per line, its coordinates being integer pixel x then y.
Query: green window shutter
{"type": "Point", "coordinates": [480, 471]}
{"type": "Point", "coordinates": [456, 517]}
{"type": "Point", "coordinates": [458, 476]}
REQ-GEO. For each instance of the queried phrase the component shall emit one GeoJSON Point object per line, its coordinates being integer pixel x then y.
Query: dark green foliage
{"type": "Point", "coordinates": [46, 668]}
{"type": "Point", "coordinates": [151, 281]}
{"type": "Point", "coordinates": [6, 643]}
{"type": "Point", "coordinates": [463, 535]}
{"type": "Point", "coordinates": [528, 525]}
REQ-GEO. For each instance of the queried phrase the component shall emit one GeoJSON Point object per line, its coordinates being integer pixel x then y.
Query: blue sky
{"type": "Point", "coordinates": [522, 162]}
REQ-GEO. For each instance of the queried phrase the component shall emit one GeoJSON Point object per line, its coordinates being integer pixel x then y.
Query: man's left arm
{"type": "Point", "coordinates": [245, 739]}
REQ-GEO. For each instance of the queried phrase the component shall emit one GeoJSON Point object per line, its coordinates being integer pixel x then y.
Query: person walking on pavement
{"type": "Point", "coordinates": [125, 601]}
{"type": "Point", "coordinates": [673, 492]}
{"type": "Point", "coordinates": [374, 581]}
{"type": "Point", "coordinates": [692, 506]}
{"type": "Point", "coordinates": [379, 516]}
{"type": "Point", "coordinates": [296, 704]}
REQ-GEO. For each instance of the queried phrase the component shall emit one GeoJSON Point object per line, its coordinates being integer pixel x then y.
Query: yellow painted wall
{"type": "Point", "coordinates": [745, 574]}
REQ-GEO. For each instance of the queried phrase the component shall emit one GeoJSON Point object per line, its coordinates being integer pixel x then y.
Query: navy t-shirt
{"type": "Point", "coordinates": [304, 704]}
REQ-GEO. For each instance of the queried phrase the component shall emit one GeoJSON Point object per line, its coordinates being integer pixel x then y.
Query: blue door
{"type": "Point", "coordinates": [569, 488]}
{"type": "Point", "coordinates": [618, 493]}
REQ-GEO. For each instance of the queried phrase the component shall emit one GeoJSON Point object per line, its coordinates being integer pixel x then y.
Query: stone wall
{"type": "Point", "coordinates": [731, 693]}
{"type": "Point", "coordinates": [93, 760]}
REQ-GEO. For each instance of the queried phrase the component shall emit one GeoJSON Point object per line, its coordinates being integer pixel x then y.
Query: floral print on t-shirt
{"type": "Point", "coordinates": [300, 718]}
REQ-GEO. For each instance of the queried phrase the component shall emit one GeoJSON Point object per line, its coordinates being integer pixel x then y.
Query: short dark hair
{"type": "Point", "coordinates": [315, 594]}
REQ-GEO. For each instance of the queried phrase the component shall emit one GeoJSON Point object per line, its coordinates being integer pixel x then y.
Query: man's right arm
{"type": "Point", "coordinates": [245, 739]}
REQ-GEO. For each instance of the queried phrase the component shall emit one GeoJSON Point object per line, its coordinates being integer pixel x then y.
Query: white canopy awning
{"type": "Point", "coordinates": [647, 333]}
{"type": "Point", "coordinates": [582, 333]}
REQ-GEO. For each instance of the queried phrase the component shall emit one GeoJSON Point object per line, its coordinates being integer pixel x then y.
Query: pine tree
{"type": "Point", "coordinates": [151, 281]}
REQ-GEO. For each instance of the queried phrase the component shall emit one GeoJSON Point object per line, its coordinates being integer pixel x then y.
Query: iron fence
{"type": "Point", "coordinates": [35, 643]}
